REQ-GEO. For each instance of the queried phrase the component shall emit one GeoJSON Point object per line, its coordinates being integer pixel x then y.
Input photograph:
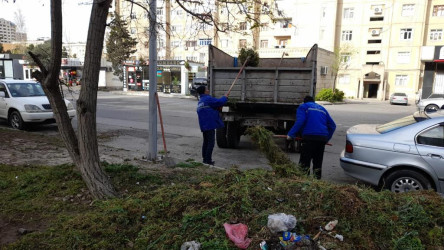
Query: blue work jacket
{"type": "Point", "coordinates": [208, 113]}
{"type": "Point", "coordinates": [313, 119]}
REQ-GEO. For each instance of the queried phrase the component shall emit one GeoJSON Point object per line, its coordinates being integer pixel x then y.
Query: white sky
{"type": "Point", "coordinates": [38, 20]}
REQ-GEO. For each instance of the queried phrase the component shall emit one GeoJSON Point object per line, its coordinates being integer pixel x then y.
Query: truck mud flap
{"type": "Point", "coordinates": [233, 134]}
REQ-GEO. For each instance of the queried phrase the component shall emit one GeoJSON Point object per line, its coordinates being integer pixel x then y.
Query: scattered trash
{"type": "Point", "coordinates": [290, 239]}
{"type": "Point", "coordinates": [337, 236]}
{"type": "Point", "coordinates": [238, 234]}
{"type": "Point", "coordinates": [263, 245]}
{"type": "Point", "coordinates": [331, 225]}
{"type": "Point", "coordinates": [281, 222]}
{"type": "Point", "coordinates": [317, 235]}
{"type": "Point", "coordinates": [143, 217]}
{"type": "Point", "coordinates": [190, 245]}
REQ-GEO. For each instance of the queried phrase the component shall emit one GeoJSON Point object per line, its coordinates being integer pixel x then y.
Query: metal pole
{"type": "Point", "coordinates": [152, 112]}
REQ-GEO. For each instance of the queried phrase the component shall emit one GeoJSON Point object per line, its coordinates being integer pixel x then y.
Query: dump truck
{"type": "Point", "coordinates": [267, 95]}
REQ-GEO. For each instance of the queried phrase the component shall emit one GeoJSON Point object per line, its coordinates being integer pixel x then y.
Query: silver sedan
{"type": "Point", "coordinates": [403, 155]}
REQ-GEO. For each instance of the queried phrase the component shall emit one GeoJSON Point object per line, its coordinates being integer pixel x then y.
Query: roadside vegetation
{"type": "Point", "coordinates": [330, 95]}
{"type": "Point", "coordinates": [163, 208]}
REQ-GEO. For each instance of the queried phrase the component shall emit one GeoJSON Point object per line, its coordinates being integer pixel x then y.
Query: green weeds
{"type": "Point", "coordinates": [162, 209]}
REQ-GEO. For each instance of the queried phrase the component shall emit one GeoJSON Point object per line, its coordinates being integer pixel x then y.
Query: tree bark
{"type": "Point", "coordinates": [89, 163]}
{"type": "Point", "coordinates": [82, 148]}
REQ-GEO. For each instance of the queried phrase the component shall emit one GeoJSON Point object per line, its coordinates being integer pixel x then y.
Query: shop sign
{"type": "Point", "coordinates": [159, 73]}
{"type": "Point", "coordinates": [131, 69]}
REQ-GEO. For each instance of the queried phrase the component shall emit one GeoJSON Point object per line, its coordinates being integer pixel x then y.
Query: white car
{"type": "Point", "coordinates": [24, 102]}
{"type": "Point", "coordinates": [433, 103]}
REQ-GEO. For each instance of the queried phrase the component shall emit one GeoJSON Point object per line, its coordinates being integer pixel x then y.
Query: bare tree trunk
{"type": "Point", "coordinates": [84, 148]}
{"type": "Point", "coordinates": [97, 181]}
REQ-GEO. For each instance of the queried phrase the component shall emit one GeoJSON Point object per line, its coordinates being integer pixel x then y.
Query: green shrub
{"type": "Point", "coordinates": [330, 95]}
{"type": "Point", "coordinates": [253, 61]}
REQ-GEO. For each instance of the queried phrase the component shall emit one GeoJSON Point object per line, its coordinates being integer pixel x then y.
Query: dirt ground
{"type": "Point", "coordinates": [43, 146]}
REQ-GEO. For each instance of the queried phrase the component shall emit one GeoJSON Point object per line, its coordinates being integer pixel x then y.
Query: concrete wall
{"type": "Point", "coordinates": [325, 59]}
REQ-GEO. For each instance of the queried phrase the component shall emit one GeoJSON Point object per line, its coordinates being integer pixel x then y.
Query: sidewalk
{"type": "Point", "coordinates": [76, 90]}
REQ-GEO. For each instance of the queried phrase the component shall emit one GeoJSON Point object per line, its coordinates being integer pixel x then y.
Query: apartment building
{"type": "Point", "coordinates": [378, 42]}
{"type": "Point", "coordinates": [7, 31]}
{"type": "Point", "coordinates": [432, 53]}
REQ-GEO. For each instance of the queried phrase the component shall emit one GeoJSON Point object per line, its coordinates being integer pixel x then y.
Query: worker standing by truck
{"type": "Point", "coordinates": [209, 120]}
{"type": "Point", "coordinates": [317, 127]}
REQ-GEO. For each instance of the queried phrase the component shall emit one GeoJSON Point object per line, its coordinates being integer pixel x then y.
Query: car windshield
{"type": "Point", "coordinates": [402, 122]}
{"type": "Point", "coordinates": [25, 89]}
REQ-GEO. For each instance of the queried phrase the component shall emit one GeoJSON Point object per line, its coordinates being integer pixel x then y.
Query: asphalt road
{"type": "Point", "coordinates": [184, 138]}
{"type": "Point", "coordinates": [128, 114]}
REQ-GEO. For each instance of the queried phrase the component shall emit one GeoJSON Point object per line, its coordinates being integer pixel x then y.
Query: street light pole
{"type": "Point", "coordinates": [152, 111]}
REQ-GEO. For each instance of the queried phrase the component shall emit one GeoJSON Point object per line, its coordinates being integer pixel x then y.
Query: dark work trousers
{"type": "Point", "coordinates": [312, 150]}
{"type": "Point", "coordinates": [208, 145]}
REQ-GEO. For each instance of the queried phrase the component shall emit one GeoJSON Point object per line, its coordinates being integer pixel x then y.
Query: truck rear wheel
{"type": "Point", "coordinates": [221, 137]}
{"type": "Point", "coordinates": [233, 134]}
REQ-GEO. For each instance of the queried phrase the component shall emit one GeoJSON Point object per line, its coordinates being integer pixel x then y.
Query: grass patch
{"type": "Point", "coordinates": [161, 210]}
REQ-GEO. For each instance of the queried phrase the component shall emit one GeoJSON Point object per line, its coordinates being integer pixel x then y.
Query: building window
{"type": "Point", "coordinates": [348, 13]}
{"type": "Point", "coordinates": [344, 79]}
{"type": "Point", "coordinates": [242, 43]}
{"type": "Point", "coordinates": [178, 12]}
{"type": "Point", "coordinates": [224, 43]}
{"type": "Point", "coordinates": [401, 80]}
{"type": "Point", "coordinates": [133, 16]}
{"type": "Point", "coordinates": [406, 34]}
{"type": "Point", "coordinates": [375, 19]}
{"type": "Point", "coordinates": [202, 57]}
{"type": "Point", "coordinates": [176, 28]}
{"type": "Point", "coordinates": [160, 43]}
{"type": "Point", "coordinates": [204, 42]}
{"type": "Point", "coordinates": [243, 26]}
{"type": "Point", "coordinates": [264, 43]}
{"type": "Point", "coordinates": [190, 44]}
{"type": "Point", "coordinates": [175, 43]}
{"type": "Point", "coordinates": [192, 58]}
{"type": "Point", "coordinates": [403, 57]}
{"type": "Point", "coordinates": [345, 58]}
{"type": "Point", "coordinates": [284, 24]}
{"type": "Point", "coordinates": [346, 35]}
{"type": "Point", "coordinates": [438, 10]}
{"type": "Point", "coordinates": [224, 26]}
{"type": "Point", "coordinates": [374, 41]}
{"type": "Point", "coordinates": [408, 10]}
{"type": "Point", "coordinates": [264, 27]}
{"type": "Point", "coordinates": [159, 11]}
{"type": "Point", "coordinates": [436, 34]}
{"type": "Point", "coordinates": [373, 52]}
{"type": "Point", "coordinates": [282, 42]}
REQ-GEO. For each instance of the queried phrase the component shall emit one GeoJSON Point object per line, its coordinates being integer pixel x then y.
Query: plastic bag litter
{"type": "Point", "coordinates": [190, 245]}
{"type": "Point", "coordinates": [238, 234]}
{"type": "Point", "coordinates": [281, 222]}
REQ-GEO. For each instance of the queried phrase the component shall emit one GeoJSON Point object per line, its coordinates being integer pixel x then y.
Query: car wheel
{"type": "Point", "coordinates": [407, 180]}
{"type": "Point", "coordinates": [16, 121]}
{"type": "Point", "coordinates": [431, 107]}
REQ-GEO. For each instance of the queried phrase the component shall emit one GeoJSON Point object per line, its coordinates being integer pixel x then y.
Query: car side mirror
{"type": "Point", "coordinates": [2, 94]}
